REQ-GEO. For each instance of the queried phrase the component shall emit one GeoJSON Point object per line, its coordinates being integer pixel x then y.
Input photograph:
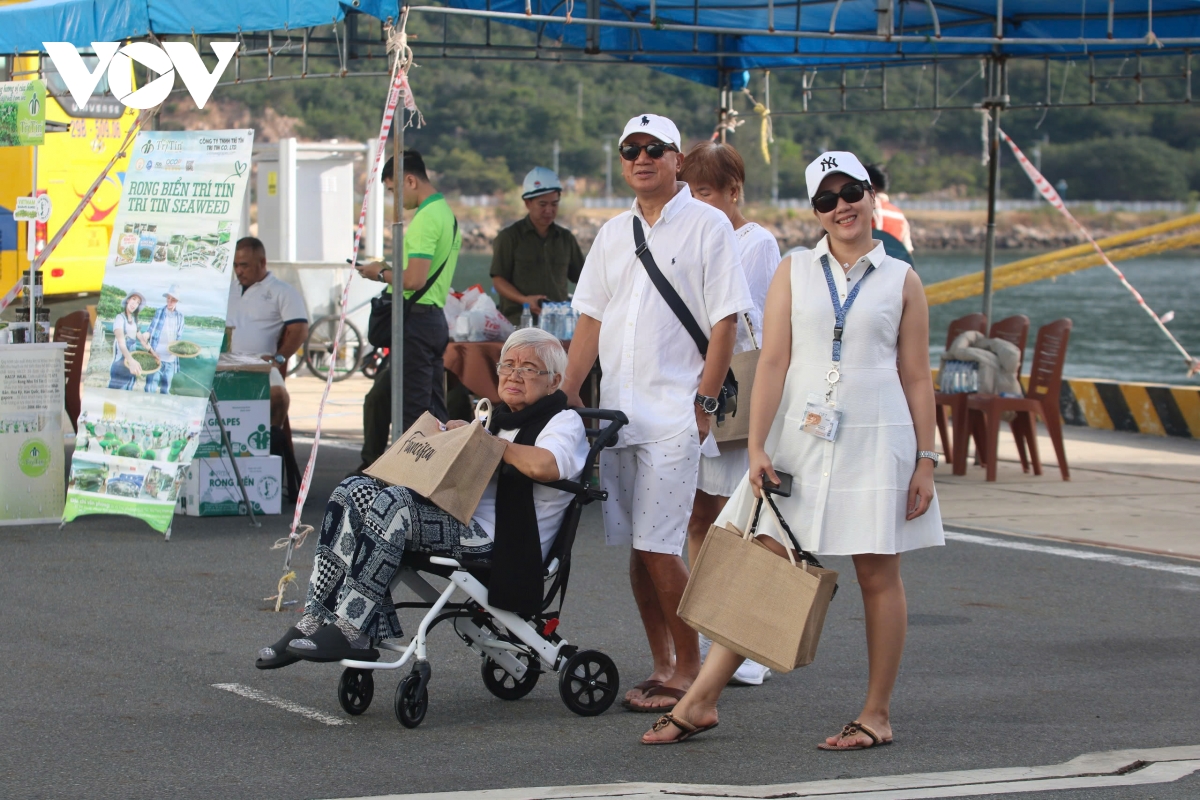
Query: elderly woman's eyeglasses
{"type": "Point", "coordinates": [524, 373]}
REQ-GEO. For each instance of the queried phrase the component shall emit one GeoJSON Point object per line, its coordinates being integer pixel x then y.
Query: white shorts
{"type": "Point", "coordinates": [650, 488]}
{"type": "Point", "coordinates": [720, 476]}
{"type": "Point", "coordinates": [275, 378]}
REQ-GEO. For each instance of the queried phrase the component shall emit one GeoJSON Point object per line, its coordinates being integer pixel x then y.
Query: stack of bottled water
{"type": "Point", "coordinates": [558, 319]}
{"type": "Point", "coordinates": [958, 376]}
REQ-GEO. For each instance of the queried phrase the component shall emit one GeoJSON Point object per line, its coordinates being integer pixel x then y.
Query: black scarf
{"type": "Point", "coordinates": [516, 580]}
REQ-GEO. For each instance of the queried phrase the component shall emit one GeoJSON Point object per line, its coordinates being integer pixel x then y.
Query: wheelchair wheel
{"type": "Point", "coordinates": [411, 707]}
{"type": "Point", "coordinates": [588, 683]}
{"type": "Point", "coordinates": [355, 690]}
{"type": "Point", "coordinates": [505, 686]}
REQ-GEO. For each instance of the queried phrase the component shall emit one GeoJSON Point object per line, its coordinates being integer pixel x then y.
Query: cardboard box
{"type": "Point", "coordinates": [210, 489]}
{"type": "Point", "coordinates": [248, 423]}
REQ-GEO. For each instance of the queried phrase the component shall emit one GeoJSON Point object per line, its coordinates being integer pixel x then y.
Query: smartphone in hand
{"type": "Point", "coordinates": [783, 488]}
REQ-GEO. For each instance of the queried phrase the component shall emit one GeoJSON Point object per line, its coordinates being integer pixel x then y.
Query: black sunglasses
{"type": "Point", "coordinates": [655, 150]}
{"type": "Point", "coordinates": [851, 193]}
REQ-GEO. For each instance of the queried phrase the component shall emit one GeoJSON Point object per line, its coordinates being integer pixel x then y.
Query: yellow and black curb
{"type": "Point", "coordinates": [1156, 409]}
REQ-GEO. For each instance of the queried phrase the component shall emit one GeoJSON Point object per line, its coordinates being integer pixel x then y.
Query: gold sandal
{"type": "Point", "coordinates": [688, 729]}
{"type": "Point", "coordinates": [852, 729]}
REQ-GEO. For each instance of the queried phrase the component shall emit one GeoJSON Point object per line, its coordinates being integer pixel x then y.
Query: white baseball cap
{"type": "Point", "coordinates": [830, 162]}
{"type": "Point", "coordinates": [660, 128]}
{"type": "Point", "coordinates": [539, 181]}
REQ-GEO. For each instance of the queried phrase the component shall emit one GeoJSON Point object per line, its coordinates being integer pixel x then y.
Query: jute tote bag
{"type": "Point", "coordinates": [733, 432]}
{"type": "Point", "coordinates": [756, 603]}
{"type": "Point", "coordinates": [451, 468]}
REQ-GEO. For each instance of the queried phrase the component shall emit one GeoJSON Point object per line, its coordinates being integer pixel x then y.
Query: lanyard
{"type": "Point", "coordinates": [839, 319]}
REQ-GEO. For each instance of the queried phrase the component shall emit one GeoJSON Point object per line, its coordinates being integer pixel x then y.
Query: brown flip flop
{"type": "Point", "coordinates": [649, 683]}
{"type": "Point", "coordinates": [658, 691]}
{"type": "Point", "coordinates": [688, 729]}
{"type": "Point", "coordinates": [853, 729]}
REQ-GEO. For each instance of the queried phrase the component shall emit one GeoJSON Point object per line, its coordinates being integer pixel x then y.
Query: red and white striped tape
{"type": "Point", "coordinates": [1052, 197]}
{"type": "Point", "coordinates": [399, 87]}
{"type": "Point", "coordinates": [7, 300]}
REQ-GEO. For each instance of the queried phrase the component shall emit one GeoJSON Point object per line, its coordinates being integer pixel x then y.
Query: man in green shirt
{"type": "Point", "coordinates": [432, 242]}
{"type": "Point", "coordinates": [533, 258]}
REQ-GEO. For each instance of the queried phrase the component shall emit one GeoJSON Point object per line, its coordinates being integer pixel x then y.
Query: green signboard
{"type": "Point", "coordinates": [22, 113]}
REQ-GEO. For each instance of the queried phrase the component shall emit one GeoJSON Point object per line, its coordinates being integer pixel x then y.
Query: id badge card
{"type": "Point", "coordinates": [821, 419]}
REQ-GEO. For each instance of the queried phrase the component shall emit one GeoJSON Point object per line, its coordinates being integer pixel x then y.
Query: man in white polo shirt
{"type": "Point", "coordinates": [654, 372]}
{"type": "Point", "coordinates": [269, 318]}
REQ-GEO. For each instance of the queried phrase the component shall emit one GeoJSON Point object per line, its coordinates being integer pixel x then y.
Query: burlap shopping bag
{"type": "Point", "coordinates": [450, 468]}
{"type": "Point", "coordinates": [756, 603]}
{"type": "Point", "coordinates": [733, 431]}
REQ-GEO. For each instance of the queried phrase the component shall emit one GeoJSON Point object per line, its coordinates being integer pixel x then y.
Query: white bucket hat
{"type": "Point", "coordinates": [830, 162]}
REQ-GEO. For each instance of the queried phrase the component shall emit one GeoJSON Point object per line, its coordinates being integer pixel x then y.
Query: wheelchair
{"type": "Point", "coordinates": [515, 649]}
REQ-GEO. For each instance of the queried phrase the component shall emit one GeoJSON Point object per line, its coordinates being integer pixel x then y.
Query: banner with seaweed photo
{"type": "Point", "coordinates": [159, 323]}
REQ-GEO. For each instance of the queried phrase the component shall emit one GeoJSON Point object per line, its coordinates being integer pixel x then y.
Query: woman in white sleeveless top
{"type": "Point", "coordinates": [869, 492]}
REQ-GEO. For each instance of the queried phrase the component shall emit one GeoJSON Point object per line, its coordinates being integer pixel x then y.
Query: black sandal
{"type": "Point", "coordinates": [279, 657]}
{"type": "Point", "coordinates": [329, 644]}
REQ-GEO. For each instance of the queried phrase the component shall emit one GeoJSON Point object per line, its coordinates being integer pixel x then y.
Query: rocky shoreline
{"type": "Point", "coordinates": [931, 232]}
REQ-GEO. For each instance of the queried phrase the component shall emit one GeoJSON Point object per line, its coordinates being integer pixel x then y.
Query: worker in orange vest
{"type": "Point", "coordinates": [887, 217]}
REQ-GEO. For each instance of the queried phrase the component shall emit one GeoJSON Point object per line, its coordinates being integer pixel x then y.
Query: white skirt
{"type": "Point", "coordinates": [719, 475]}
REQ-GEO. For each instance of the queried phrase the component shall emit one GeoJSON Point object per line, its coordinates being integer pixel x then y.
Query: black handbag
{"type": "Point", "coordinates": [379, 324]}
{"type": "Point", "coordinates": [727, 399]}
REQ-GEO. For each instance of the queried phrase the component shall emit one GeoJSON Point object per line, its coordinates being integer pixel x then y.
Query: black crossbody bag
{"type": "Point", "coordinates": [727, 400]}
{"type": "Point", "coordinates": [379, 325]}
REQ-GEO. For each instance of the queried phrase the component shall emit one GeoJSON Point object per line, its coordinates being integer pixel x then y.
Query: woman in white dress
{"type": "Point", "coordinates": [866, 490]}
{"type": "Point", "coordinates": [716, 174]}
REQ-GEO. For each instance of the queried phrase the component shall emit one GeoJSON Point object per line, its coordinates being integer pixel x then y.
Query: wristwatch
{"type": "Point", "coordinates": [708, 405]}
{"type": "Point", "coordinates": [930, 454]}
{"type": "Point", "coordinates": [280, 360]}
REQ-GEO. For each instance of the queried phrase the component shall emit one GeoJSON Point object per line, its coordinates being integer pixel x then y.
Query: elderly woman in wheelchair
{"type": "Point", "coordinates": [371, 530]}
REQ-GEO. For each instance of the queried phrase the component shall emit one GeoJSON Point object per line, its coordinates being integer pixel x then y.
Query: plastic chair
{"type": "Point", "coordinates": [957, 401]}
{"type": "Point", "coordinates": [1042, 399]}
{"type": "Point", "coordinates": [73, 329]}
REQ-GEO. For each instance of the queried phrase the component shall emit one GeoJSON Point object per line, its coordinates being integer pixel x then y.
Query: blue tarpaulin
{"type": "Point", "coordinates": [24, 26]}
{"type": "Point", "coordinates": [721, 36]}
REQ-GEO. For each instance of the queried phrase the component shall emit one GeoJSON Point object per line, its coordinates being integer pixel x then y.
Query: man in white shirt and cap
{"type": "Point", "coordinates": [653, 371]}
{"type": "Point", "coordinates": [166, 328]}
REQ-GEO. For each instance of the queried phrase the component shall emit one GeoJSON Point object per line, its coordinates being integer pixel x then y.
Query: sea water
{"type": "Point", "coordinates": [1112, 337]}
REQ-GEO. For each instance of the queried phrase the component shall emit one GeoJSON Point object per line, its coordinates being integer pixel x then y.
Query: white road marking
{"type": "Point", "coordinates": [1085, 555]}
{"type": "Point", "coordinates": [279, 702]}
{"type": "Point", "coordinates": [1091, 771]}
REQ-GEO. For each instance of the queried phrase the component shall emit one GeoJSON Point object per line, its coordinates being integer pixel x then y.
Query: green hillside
{"type": "Point", "coordinates": [488, 122]}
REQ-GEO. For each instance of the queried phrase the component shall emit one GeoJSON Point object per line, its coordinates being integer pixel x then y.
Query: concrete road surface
{"type": "Point", "coordinates": [1021, 653]}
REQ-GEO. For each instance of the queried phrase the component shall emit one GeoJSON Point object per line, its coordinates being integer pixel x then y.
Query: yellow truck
{"type": "Point", "coordinates": [65, 166]}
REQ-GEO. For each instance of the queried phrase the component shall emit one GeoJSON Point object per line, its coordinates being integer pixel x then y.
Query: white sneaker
{"type": "Point", "coordinates": [705, 646]}
{"type": "Point", "coordinates": [750, 673]}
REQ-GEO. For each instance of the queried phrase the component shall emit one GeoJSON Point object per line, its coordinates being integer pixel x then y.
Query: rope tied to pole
{"type": "Point", "coordinates": [766, 133]}
{"type": "Point", "coordinates": [397, 45]}
{"type": "Point", "coordinates": [1048, 192]}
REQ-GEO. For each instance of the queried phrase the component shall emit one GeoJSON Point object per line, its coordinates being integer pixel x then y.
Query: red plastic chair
{"type": "Point", "coordinates": [1042, 399]}
{"type": "Point", "coordinates": [73, 329]}
{"type": "Point", "coordinates": [957, 401]}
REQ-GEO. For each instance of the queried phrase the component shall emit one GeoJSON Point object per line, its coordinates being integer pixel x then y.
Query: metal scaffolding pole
{"type": "Point", "coordinates": [995, 101]}
{"type": "Point", "coordinates": [397, 351]}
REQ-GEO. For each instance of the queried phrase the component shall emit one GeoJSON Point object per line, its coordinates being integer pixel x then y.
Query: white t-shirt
{"type": "Point", "coordinates": [260, 312]}
{"type": "Point", "coordinates": [651, 366]}
{"type": "Point", "coordinates": [760, 258]}
{"type": "Point", "coordinates": [563, 436]}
